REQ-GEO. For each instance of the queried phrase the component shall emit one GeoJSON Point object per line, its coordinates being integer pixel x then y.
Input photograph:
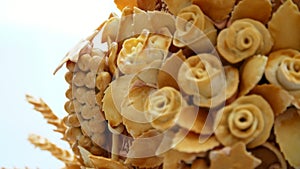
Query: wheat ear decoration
{"type": "Point", "coordinates": [44, 109]}
{"type": "Point", "coordinates": [44, 144]}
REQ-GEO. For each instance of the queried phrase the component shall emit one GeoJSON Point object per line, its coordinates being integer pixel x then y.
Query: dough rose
{"type": "Point", "coordinates": [194, 30]}
{"type": "Point", "coordinates": [283, 69]}
{"type": "Point", "coordinates": [135, 53]}
{"type": "Point", "coordinates": [242, 39]}
{"type": "Point", "coordinates": [201, 76]}
{"type": "Point", "coordinates": [164, 106]}
{"type": "Point", "coordinates": [248, 119]}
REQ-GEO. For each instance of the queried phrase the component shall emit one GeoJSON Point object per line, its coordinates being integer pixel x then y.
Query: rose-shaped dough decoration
{"type": "Point", "coordinates": [194, 30]}
{"type": "Point", "coordinates": [283, 69]}
{"type": "Point", "coordinates": [158, 44]}
{"type": "Point", "coordinates": [163, 107]}
{"type": "Point", "coordinates": [242, 39]}
{"type": "Point", "coordinates": [248, 119]}
{"type": "Point", "coordinates": [129, 59]}
{"type": "Point", "coordinates": [136, 82]}
{"type": "Point", "coordinates": [137, 53]}
{"type": "Point", "coordinates": [201, 76]}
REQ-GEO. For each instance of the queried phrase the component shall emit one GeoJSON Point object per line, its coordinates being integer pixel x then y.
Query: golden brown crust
{"type": "Point", "coordinates": [285, 37]}
{"type": "Point", "coordinates": [287, 135]}
{"type": "Point", "coordinates": [244, 9]}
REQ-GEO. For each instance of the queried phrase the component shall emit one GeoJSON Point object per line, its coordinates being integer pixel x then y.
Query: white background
{"type": "Point", "coordinates": [34, 36]}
